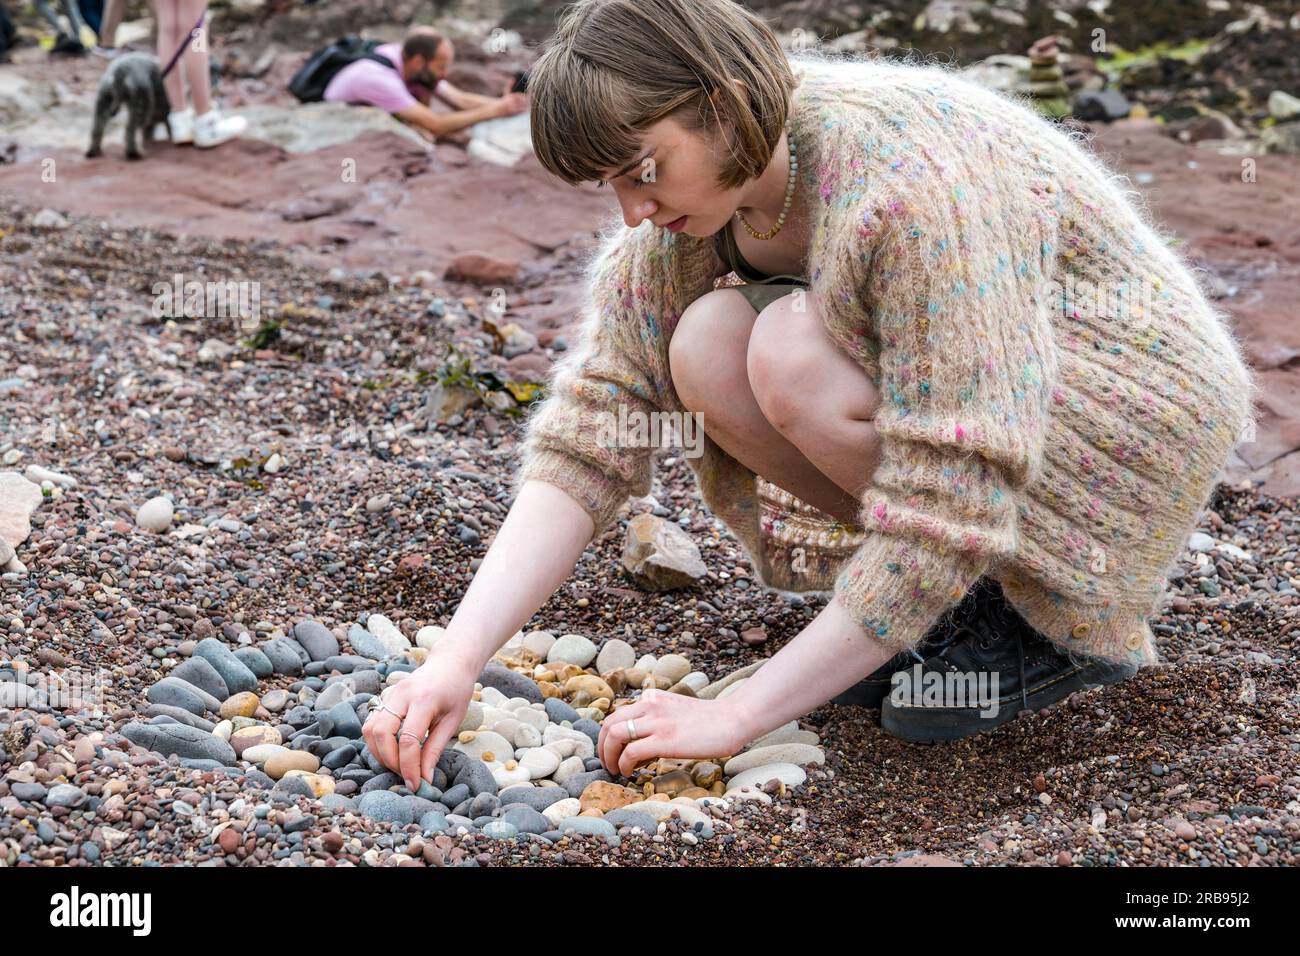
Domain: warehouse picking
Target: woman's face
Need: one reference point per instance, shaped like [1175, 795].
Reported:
[672, 179]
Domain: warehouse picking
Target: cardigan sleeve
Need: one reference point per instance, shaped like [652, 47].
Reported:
[954, 296]
[639, 280]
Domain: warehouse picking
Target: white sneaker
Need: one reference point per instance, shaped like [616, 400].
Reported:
[182, 124]
[213, 129]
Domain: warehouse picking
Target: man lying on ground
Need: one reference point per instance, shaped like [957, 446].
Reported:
[420, 67]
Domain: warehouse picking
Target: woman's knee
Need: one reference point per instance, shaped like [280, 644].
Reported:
[708, 347]
[798, 375]
[781, 361]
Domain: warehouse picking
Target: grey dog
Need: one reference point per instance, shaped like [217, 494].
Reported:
[133, 79]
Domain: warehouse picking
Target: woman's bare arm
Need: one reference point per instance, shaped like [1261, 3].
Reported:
[533, 553]
[827, 657]
[535, 549]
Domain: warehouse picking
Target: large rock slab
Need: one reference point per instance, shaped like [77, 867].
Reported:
[180, 739]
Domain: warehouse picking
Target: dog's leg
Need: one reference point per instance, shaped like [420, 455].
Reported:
[105, 107]
[147, 110]
[136, 116]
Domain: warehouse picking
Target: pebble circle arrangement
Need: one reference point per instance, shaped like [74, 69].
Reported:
[523, 764]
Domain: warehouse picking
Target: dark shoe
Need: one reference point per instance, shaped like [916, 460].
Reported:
[873, 688]
[1032, 673]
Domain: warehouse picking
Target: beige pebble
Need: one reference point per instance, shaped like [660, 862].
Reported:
[244, 704]
[277, 765]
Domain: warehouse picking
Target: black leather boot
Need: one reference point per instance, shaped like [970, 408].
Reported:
[873, 688]
[953, 694]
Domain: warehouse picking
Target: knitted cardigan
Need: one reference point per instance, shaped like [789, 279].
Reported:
[1061, 441]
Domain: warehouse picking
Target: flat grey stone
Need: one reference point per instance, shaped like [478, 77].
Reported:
[538, 798]
[385, 806]
[233, 671]
[316, 639]
[179, 739]
[175, 692]
[510, 683]
[283, 656]
[180, 716]
[197, 671]
[525, 819]
[255, 661]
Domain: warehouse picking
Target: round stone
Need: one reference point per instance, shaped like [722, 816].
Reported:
[501, 830]
[672, 668]
[385, 807]
[244, 704]
[539, 762]
[615, 654]
[788, 773]
[572, 649]
[562, 810]
[797, 754]
[279, 764]
[155, 515]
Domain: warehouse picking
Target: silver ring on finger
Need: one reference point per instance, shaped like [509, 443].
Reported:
[631, 730]
[406, 733]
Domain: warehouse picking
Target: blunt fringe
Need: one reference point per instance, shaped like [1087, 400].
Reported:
[616, 67]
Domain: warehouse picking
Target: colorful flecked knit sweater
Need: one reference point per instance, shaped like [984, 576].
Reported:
[1057, 395]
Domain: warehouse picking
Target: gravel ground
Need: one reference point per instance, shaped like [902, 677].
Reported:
[1193, 762]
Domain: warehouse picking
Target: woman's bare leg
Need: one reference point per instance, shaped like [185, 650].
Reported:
[169, 37]
[194, 61]
[108, 25]
[816, 455]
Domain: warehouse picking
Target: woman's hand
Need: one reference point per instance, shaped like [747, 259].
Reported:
[669, 725]
[426, 708]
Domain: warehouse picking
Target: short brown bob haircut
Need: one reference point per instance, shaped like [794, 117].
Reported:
[616, 67]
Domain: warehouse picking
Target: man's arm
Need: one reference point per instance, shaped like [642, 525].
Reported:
[461, 99]
[440, 124]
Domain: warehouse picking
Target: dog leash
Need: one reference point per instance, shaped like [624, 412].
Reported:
[189, 36]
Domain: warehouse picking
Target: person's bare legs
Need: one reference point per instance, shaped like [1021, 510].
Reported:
[108, 25]
[779, 396]
[194, 61]
[169, 37]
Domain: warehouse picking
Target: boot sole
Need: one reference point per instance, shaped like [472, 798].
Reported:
[928, 725]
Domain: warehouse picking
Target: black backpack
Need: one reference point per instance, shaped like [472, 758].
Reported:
[309, 83]
[7, 33]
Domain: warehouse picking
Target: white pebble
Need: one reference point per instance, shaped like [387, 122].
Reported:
[155, 515]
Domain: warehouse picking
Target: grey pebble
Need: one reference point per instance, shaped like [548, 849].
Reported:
[538, 798]
[500, 830]
[179, 739]
[255, 661]
[558, 711]
[526, 819]
[179, 716]
[284, 659]
[385, 806]
[233, 671]
[381, 781]
[510, 683]
[366, 644]
[175, 692]
[316, 639]
[197, 671]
